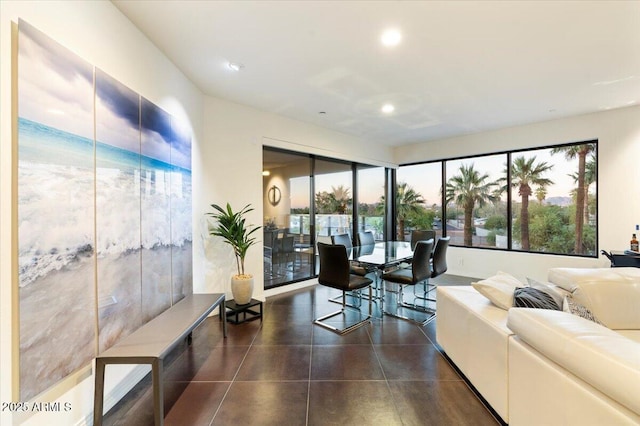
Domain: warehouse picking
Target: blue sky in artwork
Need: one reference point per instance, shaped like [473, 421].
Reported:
[117, 113]
[55, 86]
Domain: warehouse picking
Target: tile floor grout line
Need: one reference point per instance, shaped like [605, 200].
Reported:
[386, 381]
[309, 381]
[224, 397]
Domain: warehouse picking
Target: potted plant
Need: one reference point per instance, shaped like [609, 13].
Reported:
[231, 226]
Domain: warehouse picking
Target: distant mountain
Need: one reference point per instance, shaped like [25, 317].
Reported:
[559, 201]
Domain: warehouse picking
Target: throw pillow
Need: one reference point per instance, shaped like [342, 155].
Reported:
[555, 293]
[529, 297]
[576, 308]
[498, 289]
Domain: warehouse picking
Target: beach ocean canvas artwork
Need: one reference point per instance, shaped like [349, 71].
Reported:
[104, 211]
[118, 246]
[181, 218]
[55, 212]
[156, 210]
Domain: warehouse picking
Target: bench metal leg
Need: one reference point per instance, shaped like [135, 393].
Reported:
[98, 393]
[222, 310]
[158, 401]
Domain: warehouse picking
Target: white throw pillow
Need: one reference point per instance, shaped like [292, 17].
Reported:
[499, 289]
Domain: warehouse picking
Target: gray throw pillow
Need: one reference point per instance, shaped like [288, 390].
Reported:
[548, 288]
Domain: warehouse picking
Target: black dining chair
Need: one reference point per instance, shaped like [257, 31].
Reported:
[345, 240]
[420, 271]
[438, 267]
[365, 238]
[421, 235]
[335, 273]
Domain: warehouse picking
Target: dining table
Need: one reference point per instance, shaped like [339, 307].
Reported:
[379, 257]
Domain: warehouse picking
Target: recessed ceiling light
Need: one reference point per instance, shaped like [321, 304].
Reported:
[235, 66]
[388, 108]
[266, 173]
[391, 37]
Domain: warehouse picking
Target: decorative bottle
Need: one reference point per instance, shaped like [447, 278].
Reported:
[634, 243]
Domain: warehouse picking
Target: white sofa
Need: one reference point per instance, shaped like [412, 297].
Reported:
[547, 367]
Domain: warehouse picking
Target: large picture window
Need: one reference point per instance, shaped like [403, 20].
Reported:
[476, 208]
[418, 199]
[540, 200]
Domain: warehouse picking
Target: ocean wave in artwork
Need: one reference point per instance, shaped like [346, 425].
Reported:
[60, 187]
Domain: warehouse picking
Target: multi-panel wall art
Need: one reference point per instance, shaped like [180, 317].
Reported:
[104, 210]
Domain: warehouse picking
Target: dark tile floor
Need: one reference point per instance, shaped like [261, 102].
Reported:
[287, 371]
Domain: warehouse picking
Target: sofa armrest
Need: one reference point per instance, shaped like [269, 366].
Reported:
[601, 357]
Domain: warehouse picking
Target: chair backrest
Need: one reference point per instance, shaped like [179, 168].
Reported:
[288, 244]
[420, 267]
[342, 239]
[439, 265]
[365, 238]
[334, 266]
[421, 235]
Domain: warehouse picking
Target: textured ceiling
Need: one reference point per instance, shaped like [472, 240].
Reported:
[461, 67]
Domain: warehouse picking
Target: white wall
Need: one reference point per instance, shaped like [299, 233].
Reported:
[99, 33]
[618, 133]
[229, 169]
[227, 164]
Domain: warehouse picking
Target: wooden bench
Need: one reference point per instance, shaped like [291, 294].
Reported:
[152, 342]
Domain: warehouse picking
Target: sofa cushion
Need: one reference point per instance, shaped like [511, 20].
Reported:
[612, 294]
[529, 297]
[606, 360]
[498, 289]
[473, 332]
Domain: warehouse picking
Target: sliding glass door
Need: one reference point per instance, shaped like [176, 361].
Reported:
[287, 232]
[309, 199]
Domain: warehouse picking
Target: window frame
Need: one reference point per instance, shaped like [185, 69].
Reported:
[510, 154]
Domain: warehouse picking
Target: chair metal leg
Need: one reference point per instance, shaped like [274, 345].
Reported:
[426, 289]
[338, 298]
[402, 304]
[350, 328]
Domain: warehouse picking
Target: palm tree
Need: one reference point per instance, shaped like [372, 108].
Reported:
[408, 201]
[589, 178]
[581, 152]
[525, 173]
[468, 189]
[541, 193]
[336, 201]
[342, 197]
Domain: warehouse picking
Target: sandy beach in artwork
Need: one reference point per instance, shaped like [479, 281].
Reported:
[52, 315]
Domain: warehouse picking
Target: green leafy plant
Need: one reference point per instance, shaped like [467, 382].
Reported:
[232, 227]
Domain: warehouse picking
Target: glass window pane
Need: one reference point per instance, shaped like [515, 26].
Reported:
[553, 193]
[333, 197]
[476, 205]
[371, 200]
[418, 199]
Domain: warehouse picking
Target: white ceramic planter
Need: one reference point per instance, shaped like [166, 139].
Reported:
[242, 288]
